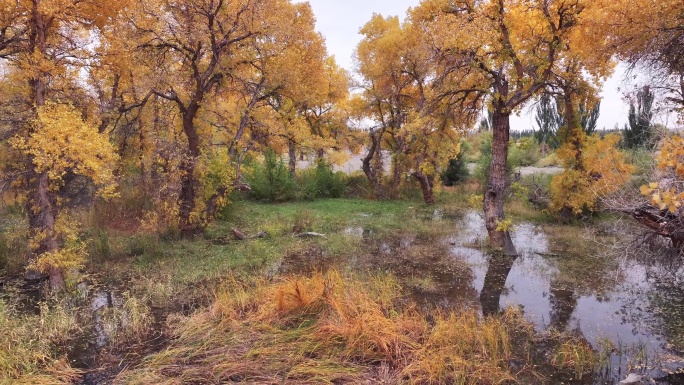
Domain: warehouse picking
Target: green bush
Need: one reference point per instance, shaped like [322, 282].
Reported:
[457, 170]
[358, 186]
[321, 181]
[271, 180]
[524, 152]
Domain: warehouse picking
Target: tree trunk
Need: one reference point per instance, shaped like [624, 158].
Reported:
[190, 184]
[292, 154]
[370, 169]
[396, 179]
[41, 204]
[426, 185]
[496, 185]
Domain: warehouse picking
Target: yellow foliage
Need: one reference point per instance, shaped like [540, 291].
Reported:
[593, 171]
[475, 201]
[666, 195]
[505, 225]
[61, 141]
[70, 256]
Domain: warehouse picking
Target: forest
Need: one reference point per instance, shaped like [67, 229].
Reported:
[196, 192]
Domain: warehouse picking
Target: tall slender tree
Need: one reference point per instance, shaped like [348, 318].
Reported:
[639, 132]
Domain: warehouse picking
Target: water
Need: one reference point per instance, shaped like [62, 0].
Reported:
[632, 307]
[636, 307]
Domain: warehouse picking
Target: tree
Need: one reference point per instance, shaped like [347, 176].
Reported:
[503, 50]
[42, 41]
[228, 65]
[639, 132]
[419, 132]
[593, 169]
[650, 34]
[589, 115]
[664, 212]
[548, 121]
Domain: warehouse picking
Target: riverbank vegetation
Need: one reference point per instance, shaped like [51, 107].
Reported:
[142, 211]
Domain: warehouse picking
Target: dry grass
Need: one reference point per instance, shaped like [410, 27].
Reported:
[326, 328]
[27, 345]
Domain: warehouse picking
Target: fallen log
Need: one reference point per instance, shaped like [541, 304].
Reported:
[310, 235]
[238, 234]
[242, 236]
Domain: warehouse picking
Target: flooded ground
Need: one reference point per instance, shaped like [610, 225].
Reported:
[629, 308]
[630, 311]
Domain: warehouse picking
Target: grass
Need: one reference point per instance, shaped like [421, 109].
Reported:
[329, 328]
[346, 320]
[176, 266]
[576, 357]
[28, 346]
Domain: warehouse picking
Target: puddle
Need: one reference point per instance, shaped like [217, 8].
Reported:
[104, 316]
[625, 306]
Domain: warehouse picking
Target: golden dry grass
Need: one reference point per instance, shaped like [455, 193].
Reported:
[326, 328]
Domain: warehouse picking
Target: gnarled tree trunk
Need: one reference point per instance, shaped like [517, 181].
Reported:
[190, 184]
[496, 184]
[426, 185]
[370, 165]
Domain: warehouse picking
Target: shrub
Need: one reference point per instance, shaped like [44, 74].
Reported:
[358, 186]
[271, 180]
[603, 171]
[321, 181]
[457, 170]
[523, 152]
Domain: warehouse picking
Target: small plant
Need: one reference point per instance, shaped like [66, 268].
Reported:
[505, 225]
[475, 201]
[303, 221]
[129, 322]
[575, 356]
[271, 180]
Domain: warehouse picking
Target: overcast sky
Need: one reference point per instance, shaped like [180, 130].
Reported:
[340, 21]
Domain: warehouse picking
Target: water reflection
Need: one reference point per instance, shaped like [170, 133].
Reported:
[495, 282]
[563, 302]
[603, 298]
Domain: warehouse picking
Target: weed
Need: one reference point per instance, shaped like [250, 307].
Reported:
[321, 182]
[303, 221]
[129, 322]
[271, 180]
[576, 356]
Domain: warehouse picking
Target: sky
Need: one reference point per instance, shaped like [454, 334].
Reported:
[340, 21]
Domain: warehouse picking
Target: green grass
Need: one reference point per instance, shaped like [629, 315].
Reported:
[168, 271]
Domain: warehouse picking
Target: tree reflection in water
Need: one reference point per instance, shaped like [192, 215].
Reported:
[494, 282]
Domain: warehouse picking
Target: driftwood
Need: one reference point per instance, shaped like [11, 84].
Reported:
[242, 236]
[662, 223]
[310, 235]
